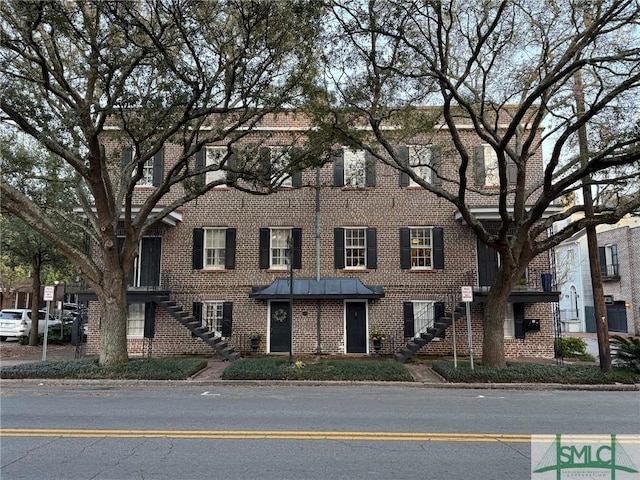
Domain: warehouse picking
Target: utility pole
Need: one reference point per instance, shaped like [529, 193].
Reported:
[602, 328]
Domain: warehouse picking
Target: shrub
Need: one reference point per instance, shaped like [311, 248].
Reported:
[572, 347]
[53, 335]
[626, 351]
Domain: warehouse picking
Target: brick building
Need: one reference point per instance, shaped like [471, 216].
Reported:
[368, 248]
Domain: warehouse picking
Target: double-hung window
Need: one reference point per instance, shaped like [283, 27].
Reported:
[215, 156]
[151, 170]
[421, 251]
[214, 247]
[135, 320]
[423, 313]
[279, 248]
[487, 170]
[420, 161]
[354, 168]
[212, 316]
[355, 248]
[609, 261]
[280, 160]
[421, 248]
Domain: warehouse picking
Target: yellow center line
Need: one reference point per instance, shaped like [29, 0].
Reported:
[290, 435]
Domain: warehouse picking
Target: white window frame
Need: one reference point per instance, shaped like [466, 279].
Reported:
[212, 312]
[280, 160]
[423, 315]
[279, 243]
[355, 168]
[213, 156]
[420, 157]
[491, 171]
[355, 248]
[214, 251]
[509, 327]
[135, 320]
[417, 248]
[146, 180]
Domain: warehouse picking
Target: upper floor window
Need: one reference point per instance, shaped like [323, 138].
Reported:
[151, 169]
[421, 248]
[215, 156]
[276, 246]
[355, 247]
[354, 168]
[609, 261]
[214, 248]
[487, 170]
[276, 167]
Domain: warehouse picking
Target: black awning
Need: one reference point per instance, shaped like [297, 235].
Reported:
[325, 288]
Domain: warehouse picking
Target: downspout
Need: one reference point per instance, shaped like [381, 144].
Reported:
[318, 329]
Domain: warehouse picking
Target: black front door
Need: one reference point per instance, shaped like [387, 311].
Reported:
[280, 327]
[356, 313]
[487, 264]
[617, 317]
[146, 266]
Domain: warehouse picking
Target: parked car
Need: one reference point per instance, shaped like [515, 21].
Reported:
[16, 322]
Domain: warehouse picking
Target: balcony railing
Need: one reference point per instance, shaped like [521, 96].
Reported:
[610, 271]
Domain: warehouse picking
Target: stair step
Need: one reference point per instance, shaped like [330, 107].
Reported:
[234, 356]
[414, 346]
[440, 325]
[399, 357]
[426, 336]
[445, 320]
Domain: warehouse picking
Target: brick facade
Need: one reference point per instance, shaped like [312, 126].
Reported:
[387, 207]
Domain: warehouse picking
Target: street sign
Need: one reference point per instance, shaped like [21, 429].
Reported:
[467, 294]
[48, 294]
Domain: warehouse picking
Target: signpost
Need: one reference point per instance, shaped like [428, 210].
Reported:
[48, 297]
[467, 297]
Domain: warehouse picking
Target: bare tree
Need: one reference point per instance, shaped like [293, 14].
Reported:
[77, 75]
[418, 72]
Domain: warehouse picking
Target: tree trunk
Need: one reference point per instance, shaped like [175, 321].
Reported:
[113, 314]
[35, 300]
[493, 320]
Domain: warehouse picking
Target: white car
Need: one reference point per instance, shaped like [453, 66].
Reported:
[16, 322]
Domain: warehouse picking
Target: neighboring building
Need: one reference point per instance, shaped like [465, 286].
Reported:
[385, 253]
[619, 253]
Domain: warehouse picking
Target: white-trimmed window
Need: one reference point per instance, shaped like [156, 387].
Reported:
[355, 171]
[420, 157]
[279, 248]
[491, 172]
[212, 316]
[509, 322]
[421, 248]
[214, 156]
[147, 174]
[135, 320]
[214, 247]
[423, 314]
[280, 160]
[355, 247]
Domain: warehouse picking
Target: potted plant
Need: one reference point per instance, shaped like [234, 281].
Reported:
[255, 341]
[378, 337]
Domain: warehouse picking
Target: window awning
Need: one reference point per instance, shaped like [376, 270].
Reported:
[172, 218]
[325, 288]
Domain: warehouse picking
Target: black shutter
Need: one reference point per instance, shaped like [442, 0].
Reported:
[198, 248]
[120, 244]
[438, 248]
[403, 153]
[265, 246]
[227, 319]
[338, 168]
[518, 320]
[200, 163]
[603, 260]
[438, 311]
[296, 178]
[512, 172]
[338, 247]
[436, 165]
[232, 164]
[296, 235]
[230, 249]
[372, 249]
[264, 166]
[197, 311]
[158, 163]
[370, 170]
[127, 156]
[405, 248]
[409, 326]
[478, 162]
[149, 319]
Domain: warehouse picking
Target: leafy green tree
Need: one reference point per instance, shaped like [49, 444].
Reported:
[143, 75]
[506, 70]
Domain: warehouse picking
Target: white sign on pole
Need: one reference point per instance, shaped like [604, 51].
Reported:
[467, 294]
[48, 294]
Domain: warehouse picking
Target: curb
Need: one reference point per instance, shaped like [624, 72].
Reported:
[312, 383]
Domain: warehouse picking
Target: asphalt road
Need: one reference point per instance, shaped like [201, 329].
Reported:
[326, 432]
